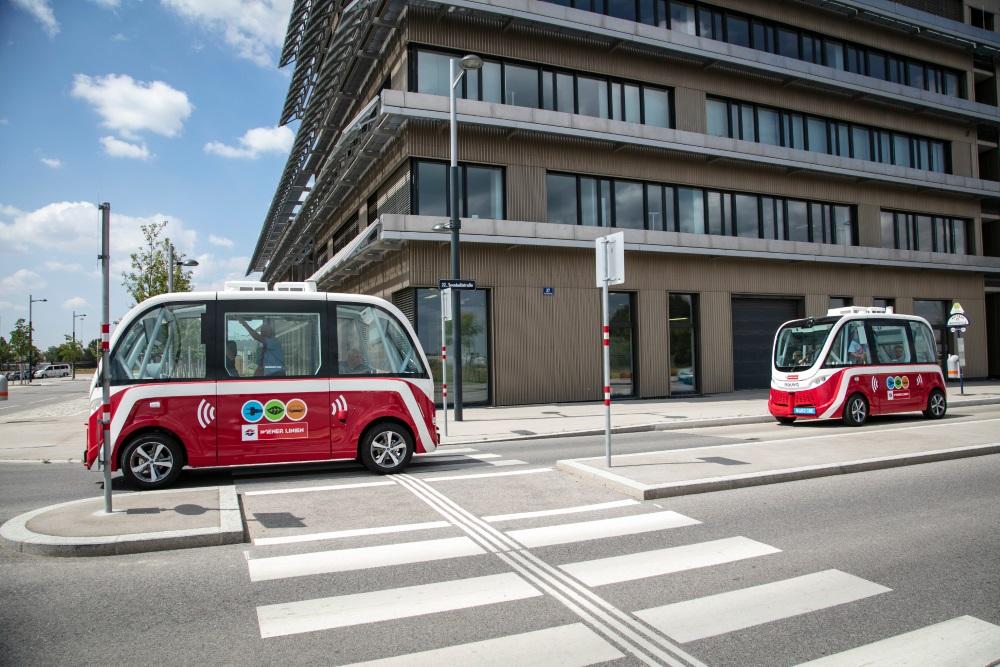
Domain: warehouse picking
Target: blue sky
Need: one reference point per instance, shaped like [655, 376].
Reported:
[167, 109]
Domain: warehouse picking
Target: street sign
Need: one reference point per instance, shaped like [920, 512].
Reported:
[548, 291]
[446, 304]
[610, 259]
[456, 284]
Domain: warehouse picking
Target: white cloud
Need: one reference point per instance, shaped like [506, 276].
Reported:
[21, 280]
[119, 148]
[212, 272]
[4, 121]
[220, 241]
[255, 142]
[75, 302]
[127, 106]
[254, 28]
[42, 11]
[52, 163]
[63, 267]
[107, 4]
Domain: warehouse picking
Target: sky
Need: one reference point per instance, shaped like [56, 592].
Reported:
[166, 109]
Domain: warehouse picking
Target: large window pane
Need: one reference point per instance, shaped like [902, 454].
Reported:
[592, 96]
[628, 205]
[861, 139]
[767, 217]
[794, 131]
[768, 128]
[888, 226]
[816, 128]
[843, 226]
[654, 207]
[798, 221]
[632, 105]
[164, 344]
[915, 73]
[484, 198]
[274, 344]
[925, 234]
[432, 73]
[432, 180]
[901, 151]
[691, 210]
[372, 342]
[788, 43]
[748, 131]
[520, 85]
[737, 30]
[548, 91]
[491, 74]
[622, 349]
[876, 65]
[622, 9]
[937, 162]
[960, 236]
[682, 17]
[718, 119]
[561, 198]
[746, 216]
[604, 202]
[475, 342]
[719, 212]
[588, 202]
[682, 326]
[656, 107]
[564, 93]
[834, 52]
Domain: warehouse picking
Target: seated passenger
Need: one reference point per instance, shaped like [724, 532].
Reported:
[856, 352]
[234, 365]
[354, 364]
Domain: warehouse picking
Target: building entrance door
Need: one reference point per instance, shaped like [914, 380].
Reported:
[755, 321]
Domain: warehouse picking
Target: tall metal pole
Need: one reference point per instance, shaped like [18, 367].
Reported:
[444, 366]
[73, 362]
[31, 346]
[456, 226]
[606, 347]
[105, 346]
[170, 266]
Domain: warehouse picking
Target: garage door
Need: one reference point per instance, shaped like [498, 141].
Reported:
[755, 321]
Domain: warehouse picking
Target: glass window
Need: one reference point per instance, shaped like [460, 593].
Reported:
[843, 225]
[915, 73]
[840, 302]
[656, 107]
[691, 211]
[707, 23]
[885, 147]
[923, 343]
[922, 154]
[854, 62]
[797, 345]
[561, 198]
[896, 70]
[901, 150]
[820, 223]
[850, 346]
[588, 202]
[748, 132]
[592, 96]
[718, 118]
[622, 352]
[767, 218]
[861, 140]
[616, 101]
[654, 207]
[882, 302]
[632, 106]
[811, 49]
[843, 139]
[768, 127]
[470, 85]
[941, 231]
[737, 30]
[273, 343]
[432, 73]
[475, 342]
[682, 325]
[960, 235]
[719, 212]
[548, 91]
[888, 225]
[484, 196]
[670, 222]
[432, 188]
[891, 343]
[491, 74]
[925, 234]
[817, 134]
[951, 85]
[682, 17]
[371, 342]
[798, 220]
[520, 85]
[628, 205]
[604, 201]
[876, 65]
[788, 43]
[834, 52]
[747, 223]
[763, 37]
[647, 12]
[937, 162]
[622, 9]
[794, 131]
[564, 93]
[163, 344]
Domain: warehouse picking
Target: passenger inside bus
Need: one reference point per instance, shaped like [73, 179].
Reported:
[234, 365]
[272, 356]
[354, 364]
[856, 353]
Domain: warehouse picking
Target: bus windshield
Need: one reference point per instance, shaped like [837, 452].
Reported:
[799, 343]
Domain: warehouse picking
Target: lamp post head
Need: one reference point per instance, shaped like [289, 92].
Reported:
[471, 62]
[187, 262]
[443, 227]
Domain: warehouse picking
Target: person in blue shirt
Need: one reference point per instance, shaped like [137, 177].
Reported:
[272, 356]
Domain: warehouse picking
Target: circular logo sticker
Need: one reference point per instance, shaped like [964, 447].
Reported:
[252, 411]
[274, 410]
[295, 409]
[899, 382]
[906, 382]
[890, 383]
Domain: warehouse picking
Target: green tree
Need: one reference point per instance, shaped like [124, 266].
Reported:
[93, 351]
[19, 341]
[71, 350]
[148, 276]
[52, 354]
[6, 352]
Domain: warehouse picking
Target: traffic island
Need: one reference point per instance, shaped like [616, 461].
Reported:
[140, 522]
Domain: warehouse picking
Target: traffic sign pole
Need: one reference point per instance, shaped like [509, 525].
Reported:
[606, 346]
[105, 350]
[445, 304]
[610, 260]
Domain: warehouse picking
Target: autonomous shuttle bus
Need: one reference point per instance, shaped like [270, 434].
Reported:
[249, 377]
[853, 363]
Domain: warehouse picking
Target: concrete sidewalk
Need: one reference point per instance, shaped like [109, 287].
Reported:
[569, 419]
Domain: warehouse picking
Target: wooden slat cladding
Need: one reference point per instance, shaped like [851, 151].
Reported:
[715, 333]
[544, 49]
[652, 343]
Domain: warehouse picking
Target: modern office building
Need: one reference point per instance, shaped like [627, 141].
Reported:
[765, 160]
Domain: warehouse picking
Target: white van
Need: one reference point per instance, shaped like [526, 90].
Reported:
[53, 371]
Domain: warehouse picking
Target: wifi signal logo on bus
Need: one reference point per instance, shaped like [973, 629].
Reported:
[206, 413]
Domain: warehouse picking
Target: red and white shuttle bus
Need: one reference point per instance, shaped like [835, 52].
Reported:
[853, 363]
[233, 378]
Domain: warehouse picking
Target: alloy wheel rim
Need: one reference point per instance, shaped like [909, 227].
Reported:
[388, 448]
[937, 404]
[151, 461]
[858, 409]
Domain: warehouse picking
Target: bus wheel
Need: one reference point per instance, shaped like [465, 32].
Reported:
[151, 461]
[937, 405]
[785, 420]
[386, 448]
[856, 410]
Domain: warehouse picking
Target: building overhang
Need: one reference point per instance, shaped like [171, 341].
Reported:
[392, 232]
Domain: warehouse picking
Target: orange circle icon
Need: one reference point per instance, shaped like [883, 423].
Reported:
[295, 409]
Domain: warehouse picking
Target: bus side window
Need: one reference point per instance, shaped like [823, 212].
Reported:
[272, 344]
[850, 347]
[891, 343]
[166, 343]
[372, 342]
[923, 343]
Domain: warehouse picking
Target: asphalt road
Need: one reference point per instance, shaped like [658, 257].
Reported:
[917, 546]
[41, 393]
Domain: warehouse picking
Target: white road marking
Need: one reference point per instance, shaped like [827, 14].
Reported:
[441, 452]
[665, 561]
[450, 478]
[482, 457]
[311, 489]
[357, 532]
[505, 463]
[747, 607]
[573, 645]
[344, 560]
[593, 530]
[291, 618]
[496, 518]
[962, 641]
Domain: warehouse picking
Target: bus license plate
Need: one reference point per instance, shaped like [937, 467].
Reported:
[805, 411]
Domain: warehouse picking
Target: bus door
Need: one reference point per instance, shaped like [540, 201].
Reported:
[273, 393]
[851, 350]
[900, 388]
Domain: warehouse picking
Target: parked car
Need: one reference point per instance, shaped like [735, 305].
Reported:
[53, 371]
[16, 375]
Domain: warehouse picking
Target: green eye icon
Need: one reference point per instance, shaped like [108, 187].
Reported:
[274, 410]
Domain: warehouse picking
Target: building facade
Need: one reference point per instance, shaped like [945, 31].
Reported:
[765, 161]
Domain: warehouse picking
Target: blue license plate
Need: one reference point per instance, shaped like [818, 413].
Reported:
[805, 411]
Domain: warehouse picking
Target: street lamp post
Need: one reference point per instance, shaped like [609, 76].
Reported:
[31, 345]
[75, 317]
[171, 263]
[469, 62]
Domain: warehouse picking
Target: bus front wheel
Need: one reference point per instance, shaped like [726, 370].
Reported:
[386, 448]
[151, 461]
[856, 410]
[785, 420]
[937, 405]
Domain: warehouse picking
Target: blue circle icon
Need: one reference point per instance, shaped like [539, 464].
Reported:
[890, 383]
[252, 411]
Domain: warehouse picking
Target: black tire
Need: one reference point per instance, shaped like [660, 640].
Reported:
[855, 410]
[386, 448]
[785, 420]
[151, 461]
[937, 405]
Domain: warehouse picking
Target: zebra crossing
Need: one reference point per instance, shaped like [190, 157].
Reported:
[590, 628]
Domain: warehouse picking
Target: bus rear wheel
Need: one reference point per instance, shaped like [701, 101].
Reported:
[151, 461]
[386, 448]
[937, 405]
[856, 410]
